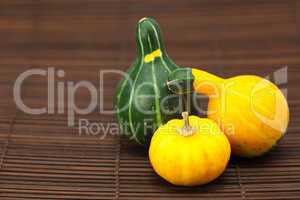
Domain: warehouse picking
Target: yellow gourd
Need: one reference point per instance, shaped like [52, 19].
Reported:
[188, 152]
[250, 110]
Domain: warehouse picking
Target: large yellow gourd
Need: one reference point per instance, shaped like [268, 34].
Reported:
[189, 152]
[250, 110]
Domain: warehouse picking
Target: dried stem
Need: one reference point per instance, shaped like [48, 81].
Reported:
[186, 130]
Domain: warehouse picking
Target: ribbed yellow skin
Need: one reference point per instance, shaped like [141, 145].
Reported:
[189, 160]
[250, 110]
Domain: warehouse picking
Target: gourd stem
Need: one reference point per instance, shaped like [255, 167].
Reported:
[185, 116]
[184, 102]
[186, 130]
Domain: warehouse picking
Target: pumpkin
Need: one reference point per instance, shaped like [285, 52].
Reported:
[250, 110]
[143, 101]
[189, 152]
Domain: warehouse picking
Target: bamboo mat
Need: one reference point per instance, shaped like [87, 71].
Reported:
[42, 158]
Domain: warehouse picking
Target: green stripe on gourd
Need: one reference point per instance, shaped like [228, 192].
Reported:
[143, 101]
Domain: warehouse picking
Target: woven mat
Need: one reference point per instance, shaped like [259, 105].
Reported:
[42, 158]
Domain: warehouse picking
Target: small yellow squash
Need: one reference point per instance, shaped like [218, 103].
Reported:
[188, 152]
[250, 110]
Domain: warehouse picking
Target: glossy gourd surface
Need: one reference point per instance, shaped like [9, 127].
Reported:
[250, 110]
[143, 101]
[189, 160]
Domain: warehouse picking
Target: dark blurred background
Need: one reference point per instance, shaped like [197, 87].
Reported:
[226, 37]
[41, 157]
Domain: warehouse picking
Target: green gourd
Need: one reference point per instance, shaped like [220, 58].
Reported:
[143, 101]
